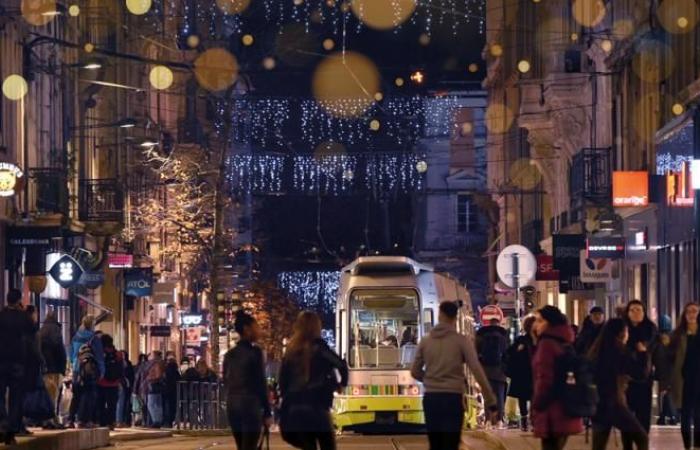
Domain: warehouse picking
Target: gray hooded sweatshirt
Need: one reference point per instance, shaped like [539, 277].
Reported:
[440, 361]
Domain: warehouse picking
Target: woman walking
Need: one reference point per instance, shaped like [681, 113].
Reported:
[614, 365]
[519, 369]
[643, 337]
[246, 388]
[685, 378]
[549, 421]
[307, 381]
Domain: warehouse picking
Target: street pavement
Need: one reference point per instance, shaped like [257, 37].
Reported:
[665, 438]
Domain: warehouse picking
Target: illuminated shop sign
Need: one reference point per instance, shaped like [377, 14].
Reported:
[66, 271]
[11, 178]
[612, 247]
[630, 189]
[679, 187]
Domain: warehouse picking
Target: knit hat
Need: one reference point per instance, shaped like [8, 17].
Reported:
[596, 309]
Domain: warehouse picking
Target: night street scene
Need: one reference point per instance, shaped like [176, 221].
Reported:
[349, 224]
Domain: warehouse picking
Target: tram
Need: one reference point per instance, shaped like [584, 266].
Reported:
[386, 304]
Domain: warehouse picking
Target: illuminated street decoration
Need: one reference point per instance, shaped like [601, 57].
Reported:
[312, 290]
[11, 178]
[66, 271]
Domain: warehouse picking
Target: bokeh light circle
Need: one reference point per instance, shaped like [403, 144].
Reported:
[473, 68]
[653, 61]
[328, 44]
[89, 47]
[399, 81]
[678, 16]
[499, 118]
[74, 10]
[496, 50]
[524, 66]
[524, 174]
[421, 166]
[589, 13]
[466, 129]
[379, 96]
[248, 40]
[623, 28]
[606, 45]
[233, 6]
[15, 87]
[677, 109]
[424, 39]
[38, 12]
[161, 77]
[343, 84]
[375, 125]
[216, 69]
[269, 63]
[138, 7]
[383, 14]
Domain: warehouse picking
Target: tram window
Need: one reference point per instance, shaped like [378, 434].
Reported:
[427, 321]
[382, 328]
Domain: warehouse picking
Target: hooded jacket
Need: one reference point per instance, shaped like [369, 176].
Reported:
[52, 348]
[440, 361]
[82, 337]
[16, 328]
[493, 334]
[645, 333]
[548, 417]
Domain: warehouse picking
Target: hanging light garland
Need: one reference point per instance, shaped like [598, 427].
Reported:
[315, 291]
[256, 173]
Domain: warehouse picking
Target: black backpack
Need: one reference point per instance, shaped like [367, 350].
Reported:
[114, 369]
[574, 382]
[492, 349]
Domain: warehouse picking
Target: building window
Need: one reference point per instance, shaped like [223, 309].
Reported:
[466, 217]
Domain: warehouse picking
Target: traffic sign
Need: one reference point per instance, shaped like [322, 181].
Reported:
[516, 266]
[490, 312]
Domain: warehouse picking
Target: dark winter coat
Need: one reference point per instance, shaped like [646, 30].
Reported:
[172, 376]
[548, 417]
[686, 367]
[647, 334]
[500, 336]
[519, 367]
[244, 379]
[16, 327]
[52, 348]
[318, 389]
[193, 375]
[587, 337]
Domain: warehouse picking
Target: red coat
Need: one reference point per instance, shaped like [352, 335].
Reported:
[548, 418]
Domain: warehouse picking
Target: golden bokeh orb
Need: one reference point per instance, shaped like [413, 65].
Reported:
[400, 81]
[139, 7]
[89, 47]
[678, 109]
[216, 69]
[606, 45]
[678, 16]
[499, 117]
[379, 96]
[524, 66]
[269, 63]
[374, 125]
[421, 166]
[248, 40]
[496, 50]
[466, 128]
[524, 174]
[233, 6]
[424, 39]
[342, 83]
[15, 87]
[193, 41]
[383, 14]
[653, 61]
[74, 10]
[589, 13]
[161, 77]
[473, 68]
[38, 12]
[328, 44]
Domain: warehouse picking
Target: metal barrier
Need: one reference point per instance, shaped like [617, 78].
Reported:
[200, 406]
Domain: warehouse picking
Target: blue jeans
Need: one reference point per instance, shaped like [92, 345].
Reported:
[155, 409]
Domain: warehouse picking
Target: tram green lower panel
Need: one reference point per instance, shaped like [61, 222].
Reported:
[357, 411]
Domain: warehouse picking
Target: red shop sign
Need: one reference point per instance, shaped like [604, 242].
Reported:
[545, 268]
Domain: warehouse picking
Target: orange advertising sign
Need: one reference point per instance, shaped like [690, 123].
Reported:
[630, 189]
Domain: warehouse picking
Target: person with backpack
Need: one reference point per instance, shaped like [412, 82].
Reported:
[555, 340]
[248, 408]
[519, 369]
[126, 389]
[172, 377]
[439, 364]
[108, 384]
[614, 366]
[685, 374]
[592, 325]
[492, 342]
[308, 378]
[85, 382]
[643, 341]
[15, 328]
[36, 410]
[55, 360]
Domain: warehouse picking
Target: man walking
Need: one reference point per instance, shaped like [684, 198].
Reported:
[492, 343]
[16, 328]
[55, 360]
[439, 365]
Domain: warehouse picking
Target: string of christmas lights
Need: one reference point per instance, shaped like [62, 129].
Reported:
[316, 291]
[675, 150]
[327, 174]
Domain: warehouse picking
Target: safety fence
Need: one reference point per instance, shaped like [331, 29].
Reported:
[200, 406]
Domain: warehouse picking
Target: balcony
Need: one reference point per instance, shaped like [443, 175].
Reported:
[101, 201]
[48, 191]
[591, 179]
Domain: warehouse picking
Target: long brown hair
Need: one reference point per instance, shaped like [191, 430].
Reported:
[682, 328]
[307, 329]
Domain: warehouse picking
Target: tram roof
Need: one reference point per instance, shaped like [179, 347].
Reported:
[385, 264]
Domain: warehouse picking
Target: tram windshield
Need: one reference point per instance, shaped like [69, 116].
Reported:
[384, 326]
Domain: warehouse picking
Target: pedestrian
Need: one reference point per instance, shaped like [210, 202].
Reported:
[519, 369]
[685, 378]
[492, 343]
[35, 411]
[439, 365]
[308, 378]
[549, 421]
[614, 364]
[153, 388]
[55, 359]
[663, 374]
[643, 338]
[15, 328]
[139, 398]
[590, 330]
[248, 408]
[125, 392]
[108, 384]
[172, 378]
[85, 346]
[200, 373]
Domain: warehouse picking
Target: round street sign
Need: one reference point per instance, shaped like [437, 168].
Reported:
[516, 257]
[490, 312]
